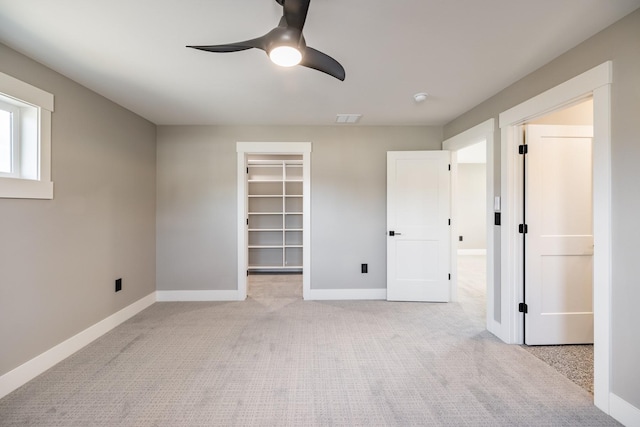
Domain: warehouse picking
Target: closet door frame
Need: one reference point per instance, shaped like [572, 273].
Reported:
[270, 148]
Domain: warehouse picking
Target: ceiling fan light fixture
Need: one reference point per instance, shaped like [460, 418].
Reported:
[285, 45]
[285, 56]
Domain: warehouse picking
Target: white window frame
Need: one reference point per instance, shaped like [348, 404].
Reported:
[14, 143]
[36, 106]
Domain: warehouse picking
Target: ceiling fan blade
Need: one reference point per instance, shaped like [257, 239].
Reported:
[295, 12]
[258, 43]
[322, 62]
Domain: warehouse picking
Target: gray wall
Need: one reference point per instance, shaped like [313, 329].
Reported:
[472, 205]
[196, 201]
[621, 44]
[59, 258]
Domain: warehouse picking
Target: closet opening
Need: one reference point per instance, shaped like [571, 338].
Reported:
[274, 201]
[273, 232]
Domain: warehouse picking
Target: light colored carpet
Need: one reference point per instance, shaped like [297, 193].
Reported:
[275, 360]
[573, 361]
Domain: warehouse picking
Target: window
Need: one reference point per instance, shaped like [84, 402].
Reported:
[25, 140]
[9, 140]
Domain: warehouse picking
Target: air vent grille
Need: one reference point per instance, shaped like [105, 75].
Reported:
[348, 118]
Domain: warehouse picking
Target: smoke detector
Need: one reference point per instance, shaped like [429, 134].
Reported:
[420, 97]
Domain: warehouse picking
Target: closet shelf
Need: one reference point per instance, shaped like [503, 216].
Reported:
[274, 180]
[272, 267]
[275, 195]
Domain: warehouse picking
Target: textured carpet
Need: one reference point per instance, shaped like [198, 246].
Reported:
[275, 360]
[573, 361]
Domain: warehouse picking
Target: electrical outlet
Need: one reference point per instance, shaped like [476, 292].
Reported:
[118, 285]
[364, 268]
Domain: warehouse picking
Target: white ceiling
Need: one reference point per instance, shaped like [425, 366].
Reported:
[459, 51]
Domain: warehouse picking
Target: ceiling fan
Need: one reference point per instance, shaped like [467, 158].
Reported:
[285, 44]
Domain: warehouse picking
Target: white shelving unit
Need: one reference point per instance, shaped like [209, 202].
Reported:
[275, 214]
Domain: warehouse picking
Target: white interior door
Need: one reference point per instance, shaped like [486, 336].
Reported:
[418, 241]
[559, 239]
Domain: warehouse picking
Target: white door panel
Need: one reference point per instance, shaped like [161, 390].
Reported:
[559, 242]
[418, 214]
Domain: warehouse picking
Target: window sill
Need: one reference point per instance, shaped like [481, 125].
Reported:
[16, 188]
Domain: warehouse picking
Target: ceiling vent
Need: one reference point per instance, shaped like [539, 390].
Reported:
[348, 118]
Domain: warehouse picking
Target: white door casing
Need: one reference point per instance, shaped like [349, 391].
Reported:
[595, 82]
[299, 148]
[418, 209]
[559, 239]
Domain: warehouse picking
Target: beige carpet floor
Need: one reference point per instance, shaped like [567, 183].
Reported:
[573, 361]
[276, 360]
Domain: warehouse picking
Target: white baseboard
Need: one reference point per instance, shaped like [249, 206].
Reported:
[472, 251]
[169, 296]
[34, 367]
[623, 411]
[495, 328]
[347, 294]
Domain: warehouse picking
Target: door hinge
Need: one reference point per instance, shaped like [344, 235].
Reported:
[449, 221]
[449, 276]
[523, 229]
[523, 149]
[523, 308]
[247, 221]
[449, 167]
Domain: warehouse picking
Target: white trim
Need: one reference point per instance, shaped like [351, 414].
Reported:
[472, 251]
[24, 92]
[273, 147]
[470, 136]
[597, 83]
[34, 367]
[16, 188]
[243, 239]
[602, 281]
[623, 411]
[211, 295]
[453, 229]
[496, 328]
[45, 148]
[347, 294]
[559, 96]
[484, 131]
[244, 148]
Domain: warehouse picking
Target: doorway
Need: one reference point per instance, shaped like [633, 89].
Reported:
[558, 216]
[274, 225]
[477, 136]
[558, 247]
[274, 193]
[471, 227]
[594, 83]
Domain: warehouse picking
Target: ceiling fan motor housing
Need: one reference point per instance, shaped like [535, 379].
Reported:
[281, 36]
